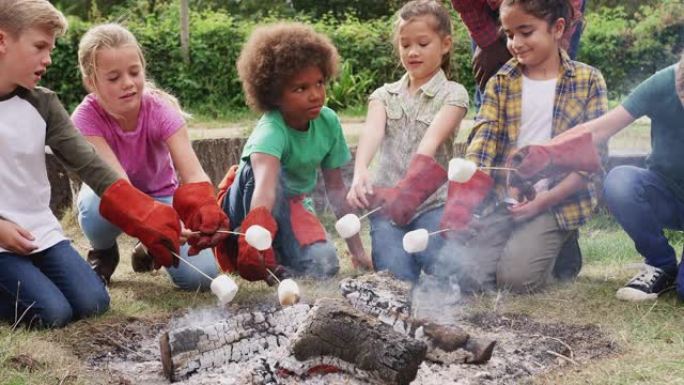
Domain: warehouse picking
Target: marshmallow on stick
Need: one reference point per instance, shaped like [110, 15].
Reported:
[258, 237]
[415, 241]
[461, 170]
[288, 292]
[348, 226]
[224, 288]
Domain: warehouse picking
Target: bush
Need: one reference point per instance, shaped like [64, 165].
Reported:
[625, 50]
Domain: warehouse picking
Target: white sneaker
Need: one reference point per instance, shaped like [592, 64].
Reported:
[648, 284]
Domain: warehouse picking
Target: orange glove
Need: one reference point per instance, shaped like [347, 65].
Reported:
[197, 207]
[423, 177]
[462, 199]
[252, 263]
[155, 224]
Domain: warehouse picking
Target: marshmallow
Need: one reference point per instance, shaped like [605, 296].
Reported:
[461, 170]
[348, 226]
[288, 292]
[258, 237]
[415, 241]
[224, 288]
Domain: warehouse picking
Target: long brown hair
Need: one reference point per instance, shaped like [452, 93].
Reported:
[442, 25]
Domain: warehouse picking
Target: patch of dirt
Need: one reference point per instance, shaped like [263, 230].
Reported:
[24, 362]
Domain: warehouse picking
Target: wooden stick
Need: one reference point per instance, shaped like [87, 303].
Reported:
[273, 275]
[499, 168]
[370, 212]
[197, 269]
[438, 231]
[218, 231]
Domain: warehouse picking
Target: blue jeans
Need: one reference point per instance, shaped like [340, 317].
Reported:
[644, 206]
[102, 235]
[387, 247]
[56, 286]
[317, 259]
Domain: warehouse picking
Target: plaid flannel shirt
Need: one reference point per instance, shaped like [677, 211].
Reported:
[481, 18]
[580, 96]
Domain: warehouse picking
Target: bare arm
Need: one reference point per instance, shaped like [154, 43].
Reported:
[266, 169]
[371, 137]
[335, 189]
[604, 127]
[184, 158]
[105, 153]
[445, 124]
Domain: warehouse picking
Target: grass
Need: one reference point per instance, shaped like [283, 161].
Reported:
[650, 335]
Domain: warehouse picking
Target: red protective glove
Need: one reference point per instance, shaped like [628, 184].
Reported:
[423, 177]
[252, 263]
[197, 207]
[569, 153]
[155, 224]
[462, 199]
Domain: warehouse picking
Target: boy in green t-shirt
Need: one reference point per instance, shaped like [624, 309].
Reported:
[284, 68]
[644, 201]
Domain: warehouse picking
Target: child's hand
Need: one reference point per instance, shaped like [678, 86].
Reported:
[530, 209]
[15, 238]
[360, 186]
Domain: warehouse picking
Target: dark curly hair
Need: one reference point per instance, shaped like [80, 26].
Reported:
[549, 10]
[274, 54]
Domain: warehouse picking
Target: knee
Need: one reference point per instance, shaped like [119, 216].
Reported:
[620, 186]
[190, 281]
[97, 302]
[325, 262]
[519, 280]
[53, 314]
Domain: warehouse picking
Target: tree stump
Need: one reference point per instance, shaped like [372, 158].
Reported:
[334, 328]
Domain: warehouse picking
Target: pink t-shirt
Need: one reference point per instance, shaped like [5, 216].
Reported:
[143, 153]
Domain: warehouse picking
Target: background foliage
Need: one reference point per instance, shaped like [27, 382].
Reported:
[626, 45]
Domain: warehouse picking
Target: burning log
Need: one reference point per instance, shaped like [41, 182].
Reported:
[238, 339]
[335, 329]
[385, 297]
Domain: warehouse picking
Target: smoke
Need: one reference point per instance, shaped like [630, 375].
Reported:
[200, 317]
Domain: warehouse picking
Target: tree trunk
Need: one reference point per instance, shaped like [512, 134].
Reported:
[185, 30]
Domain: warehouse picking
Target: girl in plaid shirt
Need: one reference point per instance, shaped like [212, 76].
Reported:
[536, 95]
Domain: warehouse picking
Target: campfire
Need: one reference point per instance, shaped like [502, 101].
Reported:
[372, 333]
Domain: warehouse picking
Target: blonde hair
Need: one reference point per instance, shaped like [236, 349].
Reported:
[112, 35]
[16, 16]
[442, 25]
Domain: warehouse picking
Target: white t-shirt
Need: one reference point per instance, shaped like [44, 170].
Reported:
[536, 118]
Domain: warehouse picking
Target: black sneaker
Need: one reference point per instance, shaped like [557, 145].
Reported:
[647, 285]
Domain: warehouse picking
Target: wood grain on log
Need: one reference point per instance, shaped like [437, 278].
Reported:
[334, 328]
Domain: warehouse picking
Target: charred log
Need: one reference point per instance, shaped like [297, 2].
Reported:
[184, 351]
[335, 329]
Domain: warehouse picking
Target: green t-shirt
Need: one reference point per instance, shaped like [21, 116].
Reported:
[301, 153]
[657, 98]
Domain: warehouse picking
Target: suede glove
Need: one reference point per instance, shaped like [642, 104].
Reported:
[197, 207]
[462, 199]
[568, 153]
[487, 61]
[155, 224]
[423, 177]
[252, 263]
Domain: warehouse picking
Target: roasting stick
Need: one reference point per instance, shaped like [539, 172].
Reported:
[439, 231]
[273, 275]
[218, 231]
[499, 168]
[370, 212]
[197, 269]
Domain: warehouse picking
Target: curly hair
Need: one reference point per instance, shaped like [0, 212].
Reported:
[274, 54]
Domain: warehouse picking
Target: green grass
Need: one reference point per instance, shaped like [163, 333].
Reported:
[650, 336]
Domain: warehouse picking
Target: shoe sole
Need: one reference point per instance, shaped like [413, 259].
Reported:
[634, 295]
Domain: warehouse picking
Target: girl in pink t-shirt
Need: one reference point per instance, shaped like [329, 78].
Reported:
[140, 131]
